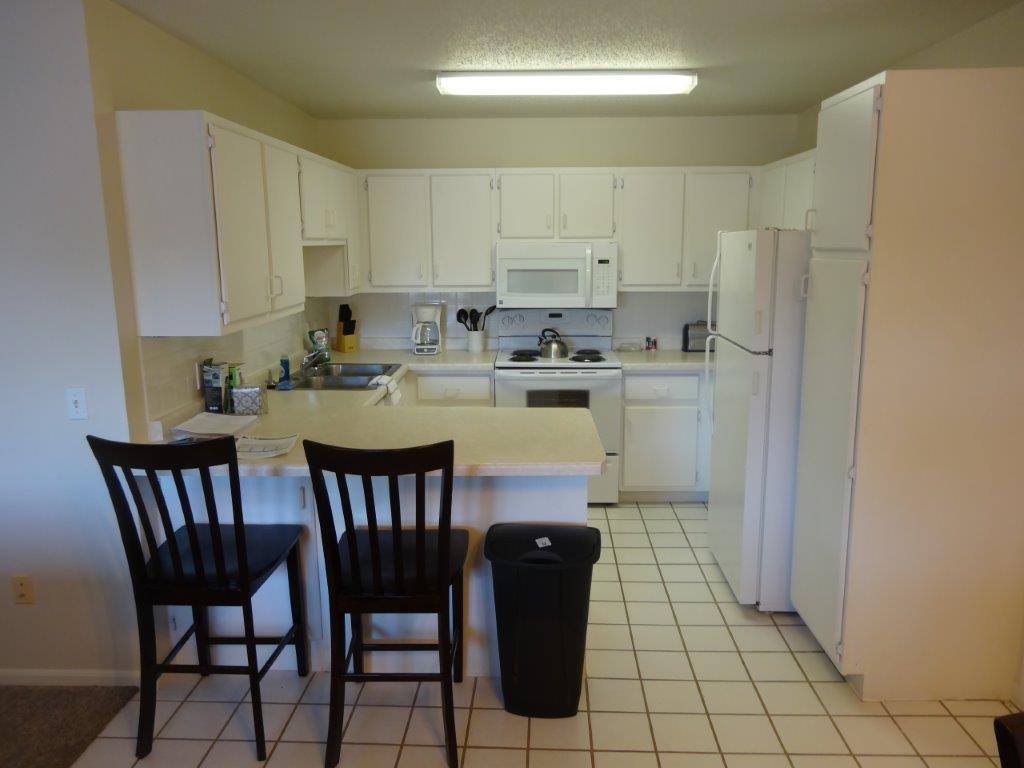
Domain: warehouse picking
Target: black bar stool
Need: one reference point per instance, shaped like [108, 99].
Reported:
[199, 564]
[390, 569]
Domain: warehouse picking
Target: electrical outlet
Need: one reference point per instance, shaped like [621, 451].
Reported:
[24, 591]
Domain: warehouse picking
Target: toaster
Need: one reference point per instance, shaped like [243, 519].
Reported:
[695, 336]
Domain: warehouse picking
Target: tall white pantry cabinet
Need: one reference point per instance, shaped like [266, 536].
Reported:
[908, 537]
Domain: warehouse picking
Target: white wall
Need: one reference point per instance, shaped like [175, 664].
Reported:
[57, 329]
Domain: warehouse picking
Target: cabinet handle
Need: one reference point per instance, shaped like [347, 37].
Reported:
[693, 269]
[565, 221]
[547, 221]
[660, 391]
[452, 392]
[419, 271]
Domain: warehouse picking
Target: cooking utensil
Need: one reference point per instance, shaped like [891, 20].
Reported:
[551, 344]
[474, 319]
[487, 312]
[462, 316]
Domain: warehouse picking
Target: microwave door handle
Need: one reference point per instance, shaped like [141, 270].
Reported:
[588, 295]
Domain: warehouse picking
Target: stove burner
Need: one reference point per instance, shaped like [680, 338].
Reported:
[588, 352]
[524, 355]
[588, 356]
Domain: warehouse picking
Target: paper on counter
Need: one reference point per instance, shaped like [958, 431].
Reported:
[204, 423]
[264, 447]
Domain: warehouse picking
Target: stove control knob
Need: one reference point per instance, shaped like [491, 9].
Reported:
[603, 320]
[591, 319]
[520, 319]
[506, 321]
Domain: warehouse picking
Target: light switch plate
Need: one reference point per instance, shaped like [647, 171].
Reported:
[74, 398]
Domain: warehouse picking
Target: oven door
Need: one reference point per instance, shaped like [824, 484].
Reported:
[535, 281]
[599, 390]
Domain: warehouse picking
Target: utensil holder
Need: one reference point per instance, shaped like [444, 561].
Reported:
[475, 341]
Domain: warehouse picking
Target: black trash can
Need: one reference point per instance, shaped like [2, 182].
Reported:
[541, 597]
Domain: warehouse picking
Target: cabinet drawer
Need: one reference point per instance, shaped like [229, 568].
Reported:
[454, 387]
[662, 387]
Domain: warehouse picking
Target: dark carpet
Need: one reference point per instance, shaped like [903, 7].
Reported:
[50, 726]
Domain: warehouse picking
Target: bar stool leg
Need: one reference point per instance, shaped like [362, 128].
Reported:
[201, 619]
[336, 712]
[444, 651]
[298, 602]
[254, 681]
[457, 620]
[147, 684]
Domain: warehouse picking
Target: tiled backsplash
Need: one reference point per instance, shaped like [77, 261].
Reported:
[168, 363]
[384, 319]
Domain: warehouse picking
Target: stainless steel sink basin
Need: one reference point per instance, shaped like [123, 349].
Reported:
[344, 375]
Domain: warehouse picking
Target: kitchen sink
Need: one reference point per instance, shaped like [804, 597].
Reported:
[344, 375]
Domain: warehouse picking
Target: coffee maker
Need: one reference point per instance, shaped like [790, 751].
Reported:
[426, 328]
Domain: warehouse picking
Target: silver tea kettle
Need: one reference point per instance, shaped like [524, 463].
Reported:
[551, 344]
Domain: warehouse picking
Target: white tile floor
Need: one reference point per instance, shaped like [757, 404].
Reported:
[679, 676]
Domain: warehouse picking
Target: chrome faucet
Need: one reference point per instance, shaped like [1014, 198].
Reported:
[314, 358]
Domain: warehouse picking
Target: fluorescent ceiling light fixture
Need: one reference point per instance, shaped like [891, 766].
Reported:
[649, 82]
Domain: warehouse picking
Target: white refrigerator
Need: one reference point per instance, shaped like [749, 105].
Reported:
[754, 409]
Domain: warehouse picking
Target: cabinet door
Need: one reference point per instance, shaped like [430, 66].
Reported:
[462, 230]
[314, 197]
[585, 204]
[399, 218]
[714, 202]
[340, 197]
[238, 193]
[772, 197]
[651, 229]
[527, 204]
[284, 227]
[355, 250]
[799, 194]
[845, 175]
[661, 446]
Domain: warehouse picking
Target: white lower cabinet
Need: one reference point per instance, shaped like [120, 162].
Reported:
[663, 445]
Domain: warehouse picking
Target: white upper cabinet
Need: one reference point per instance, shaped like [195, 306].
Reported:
[287, 273]
[650, 229]
[399, 230]
[354, 218]
[714, 202]
[586, 205]
[771, 197]
[328, 198]
[238, 192]
[527, 204]
[845, 175]
[315, 204]
[462, 230]
[798, 196]
[785, 192]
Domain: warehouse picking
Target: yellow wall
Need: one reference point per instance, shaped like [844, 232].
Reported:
[935, 603]
[136, 65]
[476, 142]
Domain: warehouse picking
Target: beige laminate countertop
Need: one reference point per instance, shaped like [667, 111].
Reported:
[488, 441]
[663, 361]
[449, 361]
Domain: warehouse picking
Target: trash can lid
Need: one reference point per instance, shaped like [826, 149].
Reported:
[543, 544]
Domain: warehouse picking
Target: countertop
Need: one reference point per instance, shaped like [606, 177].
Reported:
[449, 361]
[663, 361]
[488, 441]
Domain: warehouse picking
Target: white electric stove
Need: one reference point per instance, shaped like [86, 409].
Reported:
[589, 377]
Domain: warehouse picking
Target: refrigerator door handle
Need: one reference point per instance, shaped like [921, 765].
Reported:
[707, 381]
[711, 277]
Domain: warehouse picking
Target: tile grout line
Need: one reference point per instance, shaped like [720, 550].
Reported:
[679, 631]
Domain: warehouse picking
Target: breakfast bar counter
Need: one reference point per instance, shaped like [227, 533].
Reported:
[511, 465]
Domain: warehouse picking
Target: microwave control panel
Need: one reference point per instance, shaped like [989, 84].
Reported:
[604, 292]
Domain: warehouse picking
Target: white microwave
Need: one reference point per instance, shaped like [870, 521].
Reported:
[559, 275]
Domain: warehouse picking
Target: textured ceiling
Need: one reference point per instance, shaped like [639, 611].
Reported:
[377, 58]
